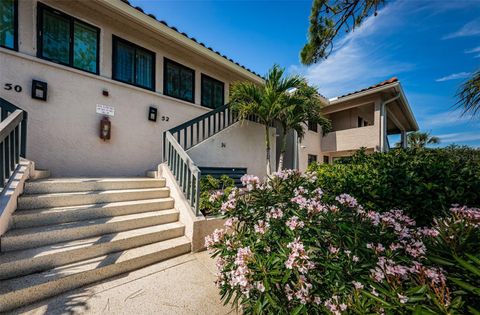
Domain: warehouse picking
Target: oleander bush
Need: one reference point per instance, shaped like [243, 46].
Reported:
[212, 193]
[422, 182]
[287, 248]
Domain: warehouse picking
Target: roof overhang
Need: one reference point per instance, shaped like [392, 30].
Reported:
[394, 88]
[157, 27]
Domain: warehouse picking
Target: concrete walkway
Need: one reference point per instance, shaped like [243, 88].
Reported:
[182, 285]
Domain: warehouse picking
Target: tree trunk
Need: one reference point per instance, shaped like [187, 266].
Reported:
[267, 142]
[283, 149]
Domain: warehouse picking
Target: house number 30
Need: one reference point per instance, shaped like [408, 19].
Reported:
[10, 86]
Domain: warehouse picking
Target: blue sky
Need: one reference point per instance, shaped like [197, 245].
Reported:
[431, 46]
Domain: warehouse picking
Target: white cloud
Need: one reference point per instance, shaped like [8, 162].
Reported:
[360, 58]
[473, 50]
[454, 76]
[448, 118]
[472, 28]
[459, 137]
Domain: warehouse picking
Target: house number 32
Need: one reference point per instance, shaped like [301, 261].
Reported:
[165, 118]
[10, 86]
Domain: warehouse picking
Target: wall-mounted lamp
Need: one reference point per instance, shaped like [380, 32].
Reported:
[105, 128]
[39, 90]
[152, 113]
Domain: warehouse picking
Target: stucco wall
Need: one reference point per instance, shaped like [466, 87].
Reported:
[310, 144]
[63, 133]
[240, 145]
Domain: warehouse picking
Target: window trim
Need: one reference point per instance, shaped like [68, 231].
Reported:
[40, 9]
[203, 77]
[165, 62]
[116, 39]
[312, 129]
[15, 28]
[315, 159]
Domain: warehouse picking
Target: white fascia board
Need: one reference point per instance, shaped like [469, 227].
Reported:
[156, 26]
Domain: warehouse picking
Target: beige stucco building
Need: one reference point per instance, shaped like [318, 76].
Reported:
[95, 93]
[361, 119]
[92, 64]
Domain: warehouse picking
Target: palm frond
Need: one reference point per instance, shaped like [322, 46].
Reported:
[469, 95]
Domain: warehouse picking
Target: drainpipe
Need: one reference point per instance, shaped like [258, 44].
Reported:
[295, 150]
[383, 122]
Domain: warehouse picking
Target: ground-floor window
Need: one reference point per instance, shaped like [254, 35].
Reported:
[312, 159]
[8, 23]
[326, 159]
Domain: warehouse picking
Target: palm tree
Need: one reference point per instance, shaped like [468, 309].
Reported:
[418, 139]
[264, 101]
[301, 106]
[469, 95]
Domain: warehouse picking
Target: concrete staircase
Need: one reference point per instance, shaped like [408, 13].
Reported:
[67, 233]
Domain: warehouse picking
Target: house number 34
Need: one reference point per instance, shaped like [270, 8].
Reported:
[10, 86]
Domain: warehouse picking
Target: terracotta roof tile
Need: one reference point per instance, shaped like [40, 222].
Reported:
[191, 38]
[391, 80]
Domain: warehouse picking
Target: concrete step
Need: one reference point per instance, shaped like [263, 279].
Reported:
[17, 239]
[28, 289]
[56, 185]
[48, 216]
[23, 262]
[37, 201]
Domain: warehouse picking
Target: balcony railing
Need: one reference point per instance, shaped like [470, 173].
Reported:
[351, 139]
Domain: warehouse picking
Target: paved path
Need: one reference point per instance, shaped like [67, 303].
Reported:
[182, 285]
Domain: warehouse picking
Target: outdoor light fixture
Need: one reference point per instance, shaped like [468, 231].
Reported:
[152, 113]
[105, 128]
[39, 90]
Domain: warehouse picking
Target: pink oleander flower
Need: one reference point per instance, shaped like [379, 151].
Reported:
[333, 249]
[403, 299]
[259, 286]
[215, 196]
[261, 227]
[347, 200]
[230, 222]
[215, 238]
[294, 223]
[276, 213]
[250, 181]
[355, 258]
[428, 232]
[298, 257]
[357, 285]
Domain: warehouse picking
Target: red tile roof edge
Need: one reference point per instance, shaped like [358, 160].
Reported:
[389, 81]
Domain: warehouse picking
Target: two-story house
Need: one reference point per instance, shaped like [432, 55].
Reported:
[98, 92]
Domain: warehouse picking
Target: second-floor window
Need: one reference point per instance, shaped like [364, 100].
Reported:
[213, 92]
[8, 23]
[313, 126]
[67, 40]
[179, 81]
[133, 64]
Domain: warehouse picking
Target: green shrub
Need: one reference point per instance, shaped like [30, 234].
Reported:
[285, 249]
[212, 193]
[424, 183]
[457, 250]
